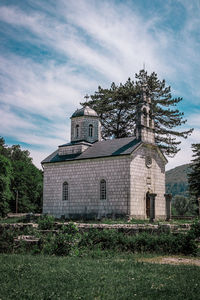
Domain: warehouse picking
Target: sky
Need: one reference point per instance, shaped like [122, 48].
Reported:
[53, 53]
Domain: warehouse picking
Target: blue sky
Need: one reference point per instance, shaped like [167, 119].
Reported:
[53, 53]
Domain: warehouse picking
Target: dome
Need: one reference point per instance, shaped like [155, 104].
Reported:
[84, 111]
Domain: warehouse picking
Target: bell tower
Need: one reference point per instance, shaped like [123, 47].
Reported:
[145, 121]
[85, 126]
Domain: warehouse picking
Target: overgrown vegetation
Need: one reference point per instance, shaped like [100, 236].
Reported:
[20, 181]
[68, 240]
[46, 222]
[99, 264]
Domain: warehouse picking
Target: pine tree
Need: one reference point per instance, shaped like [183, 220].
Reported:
[117, 108]
[194, 175]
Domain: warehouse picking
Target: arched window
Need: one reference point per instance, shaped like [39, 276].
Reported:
[77, 131]
[65, 195]
[103, 189]
[91, 130]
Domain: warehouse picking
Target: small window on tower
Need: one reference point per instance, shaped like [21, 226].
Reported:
[150, 120]
[145, 116]
[91, 130]
[77, 131]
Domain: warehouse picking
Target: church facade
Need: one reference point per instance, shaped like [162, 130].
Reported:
[94, 177]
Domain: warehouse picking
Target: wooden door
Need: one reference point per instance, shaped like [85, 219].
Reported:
[147, 205]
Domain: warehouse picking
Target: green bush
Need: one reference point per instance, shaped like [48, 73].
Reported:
[195, 229]
[70, 228]
[104, 239]
[64, 242]
[46, 222]
[69, 241]
[6, 240]
[143, 242]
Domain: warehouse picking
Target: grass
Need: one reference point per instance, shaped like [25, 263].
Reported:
[137, 221]
[116, 221]
[12, 220]
[112, 277]
[103, 221]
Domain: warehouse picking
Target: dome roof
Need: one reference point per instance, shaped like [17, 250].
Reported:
[84, 111]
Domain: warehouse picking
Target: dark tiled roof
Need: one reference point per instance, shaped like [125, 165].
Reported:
[106, 148]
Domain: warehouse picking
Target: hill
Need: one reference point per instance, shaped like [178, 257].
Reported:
[177, 181]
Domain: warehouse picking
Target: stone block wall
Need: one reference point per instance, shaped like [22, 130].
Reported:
[65, 150]
[145, 179]
[84, 123]
[83, 178]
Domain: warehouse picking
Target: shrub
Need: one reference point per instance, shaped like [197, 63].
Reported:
[68, 241]
[70, 228]
[142, 242]
[6, 240]
[46, 222]
[195, 229]
[104, 239]
[63, 243]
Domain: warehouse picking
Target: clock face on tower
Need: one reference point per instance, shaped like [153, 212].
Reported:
[148, 161]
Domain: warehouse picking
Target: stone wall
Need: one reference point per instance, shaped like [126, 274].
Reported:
[84, 123]
[83, 178]
[72, 149]
[147, 179]
[128, 179]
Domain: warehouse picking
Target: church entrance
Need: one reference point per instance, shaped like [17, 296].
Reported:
[147, 205]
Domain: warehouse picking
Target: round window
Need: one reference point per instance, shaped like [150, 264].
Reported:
[148, 161]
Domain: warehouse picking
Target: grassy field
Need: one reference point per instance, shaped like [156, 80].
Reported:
[113, 277]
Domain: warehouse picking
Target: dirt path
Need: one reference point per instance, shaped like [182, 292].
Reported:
[172, 260]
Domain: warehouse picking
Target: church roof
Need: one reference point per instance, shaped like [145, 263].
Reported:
[107, 148]
[84, 111]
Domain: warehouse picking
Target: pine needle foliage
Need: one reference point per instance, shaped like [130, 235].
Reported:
[194, 175]
[117, 108]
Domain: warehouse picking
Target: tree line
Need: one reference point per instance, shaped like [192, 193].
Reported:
[21, 183]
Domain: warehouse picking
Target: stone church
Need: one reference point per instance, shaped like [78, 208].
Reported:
[118, 177]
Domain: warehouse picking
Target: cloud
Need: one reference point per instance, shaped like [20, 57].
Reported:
[62, 50]
[184, 156]
[194, 119]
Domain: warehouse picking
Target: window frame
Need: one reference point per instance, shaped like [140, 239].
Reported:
[91, 130]
[65, 191]
[77, 130]
[103, 190]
